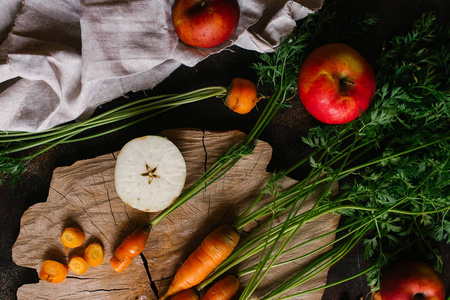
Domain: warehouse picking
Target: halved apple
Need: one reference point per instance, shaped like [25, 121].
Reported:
[150, 173]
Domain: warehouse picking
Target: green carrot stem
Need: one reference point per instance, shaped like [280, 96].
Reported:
[250, 247]
[206, 180]
[108, 117]
[329, 285]
[316, 267]
[255, 281]
[226, 162]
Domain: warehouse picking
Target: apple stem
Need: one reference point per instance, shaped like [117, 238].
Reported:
[347, 82]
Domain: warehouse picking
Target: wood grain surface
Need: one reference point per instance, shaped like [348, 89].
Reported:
[83, 195]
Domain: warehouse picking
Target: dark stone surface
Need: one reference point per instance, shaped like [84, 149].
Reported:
[283, 134]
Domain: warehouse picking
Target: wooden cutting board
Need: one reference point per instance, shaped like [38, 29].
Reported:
[83, 194]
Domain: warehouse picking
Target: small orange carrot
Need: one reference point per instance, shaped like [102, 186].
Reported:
[223, 289]
[376, 295]
[190, 294]
[94, 254]
[241, 96]
[120, 265]
[72, 237]
[214, 249]
[78, 264]
[131, 247]
[53, 271]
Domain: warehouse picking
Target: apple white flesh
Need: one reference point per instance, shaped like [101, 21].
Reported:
[336, 84]
[150, 173]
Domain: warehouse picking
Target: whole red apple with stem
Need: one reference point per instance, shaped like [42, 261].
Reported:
[205, 23]
[411, 280]
[336, 84]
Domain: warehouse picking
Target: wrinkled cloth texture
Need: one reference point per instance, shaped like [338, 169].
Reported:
[60, 59]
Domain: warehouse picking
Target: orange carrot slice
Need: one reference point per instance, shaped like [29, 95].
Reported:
[53, 271]
[94, 255]
[72, 237]
[78, 264]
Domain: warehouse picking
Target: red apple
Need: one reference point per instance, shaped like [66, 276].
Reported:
[205, 23]
[336, 84]
[412, 280]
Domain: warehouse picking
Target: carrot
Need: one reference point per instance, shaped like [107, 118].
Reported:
[78, 264]
[72, 237]
[53, 271]
[131, 247]
[241, 96]
[120, 265]
[217, 246]
[190, 294]
[376, 295]
[94, 254]
[223, 289]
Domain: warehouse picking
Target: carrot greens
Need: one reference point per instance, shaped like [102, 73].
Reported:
[17, 148]
[392, 165]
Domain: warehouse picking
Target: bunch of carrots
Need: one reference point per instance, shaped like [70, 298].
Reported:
[195, 273]
[205, 264]
[213, 250]
[241, 98]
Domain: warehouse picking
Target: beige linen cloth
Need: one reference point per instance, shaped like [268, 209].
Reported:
[60, 59]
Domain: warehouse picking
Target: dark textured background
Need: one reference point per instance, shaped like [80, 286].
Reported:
[283, 134]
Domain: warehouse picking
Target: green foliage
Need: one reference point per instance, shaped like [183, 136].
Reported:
[14, 143]
[280, 68]
[394, 157]
[406, 129]
[12, 168]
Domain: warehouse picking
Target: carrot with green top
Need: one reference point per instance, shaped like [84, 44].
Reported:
[241, 96]
[214, 249]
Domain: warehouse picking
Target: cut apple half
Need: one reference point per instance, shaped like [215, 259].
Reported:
[150, 173]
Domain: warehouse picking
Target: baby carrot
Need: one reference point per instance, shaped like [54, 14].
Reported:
[94, 254]
[215, 248]
[190, 294]
[72, 237]
[131, 247]
[53, 271]
[120, 265]
[223, 289]
[241, 96]
[78, 264]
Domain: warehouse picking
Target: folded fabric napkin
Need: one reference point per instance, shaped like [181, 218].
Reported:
[60, 59]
